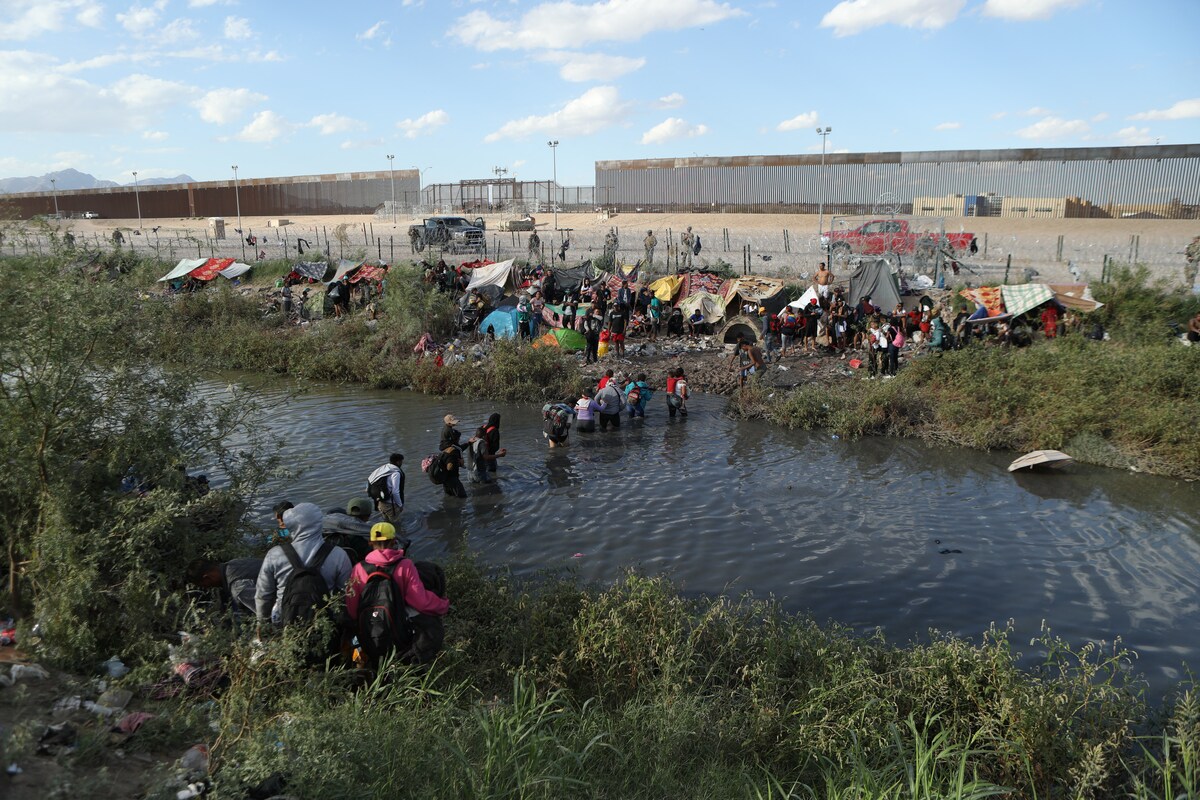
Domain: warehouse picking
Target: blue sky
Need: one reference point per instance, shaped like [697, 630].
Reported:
[459, 88]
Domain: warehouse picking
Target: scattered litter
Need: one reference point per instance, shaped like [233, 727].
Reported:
[8, 633]
[131, 722]
[68, 704]
[195, 759]
[198, 789]
[27, 671]
[855, 363]
[115, 668]
[835, 437]
[577, 555]
[115, 698]
[56, 739]
[13, 769]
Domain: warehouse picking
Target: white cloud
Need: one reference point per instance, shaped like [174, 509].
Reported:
[140, 92]
[1000, 115]
[582, 67]
[267, 126]
[222, 106]
[237, 28]
[1025, 10]
[1055, 128]
[259, 57]
[672, 128]
[947, 126]
[177, 30]
[27, 19]
[1100, 117]
[520, 162]
[594, 110]
[329, 124]
[423, 125]
[855, 16]
[372, 32]
[559, 25]
[140, 20]
[798, 122]
[1184, 109]
[155, 136]
[1134, 135]
[1036, 111]
[206, 3]
[672, 100]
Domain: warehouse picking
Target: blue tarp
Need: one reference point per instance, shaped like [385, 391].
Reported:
[504, 320]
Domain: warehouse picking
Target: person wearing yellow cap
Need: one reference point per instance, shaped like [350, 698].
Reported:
[367, 603]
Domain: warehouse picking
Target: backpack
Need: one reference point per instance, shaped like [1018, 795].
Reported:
[696, 247]
[306, 588]
[383, 625]
[377, 489]
[634, 396]
[437, 469]
[556, 420]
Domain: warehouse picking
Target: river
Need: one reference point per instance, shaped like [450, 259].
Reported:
[876, 533]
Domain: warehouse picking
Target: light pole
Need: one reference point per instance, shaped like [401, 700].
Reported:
[237, 198]
[392, 175]
[824, 134]
[553, 143]
[137, 198]
[54, 189]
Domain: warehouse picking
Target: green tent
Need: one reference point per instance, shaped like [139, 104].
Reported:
[562, 337]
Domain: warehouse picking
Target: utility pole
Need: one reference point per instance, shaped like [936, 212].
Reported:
[238, 199]
[137, 199]
[553, 144]
[392, 174]
[824, 134]
[54, 189]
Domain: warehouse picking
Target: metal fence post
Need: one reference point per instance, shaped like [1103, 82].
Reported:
[1007, 267]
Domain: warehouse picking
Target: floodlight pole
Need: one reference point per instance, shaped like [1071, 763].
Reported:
[54, 189]
[553, 143]
[237, 198]
[824, 134]
[392, 173]
[137, 199]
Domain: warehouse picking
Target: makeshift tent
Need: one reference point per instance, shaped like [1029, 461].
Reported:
[491, 296]
[501, 274]
[693, 282]
[210, 269]
[344, 268]
[561, 337]
[570, 279]
[665, 288]
[483, 262]
[312, 270]
[990, 297]
[712, 306]
[503, 321]
[762, 292]
[1021, 298]
[183, 269]
[235, 270]
[370, 272]
[1076, 296]
[874, 278]
[810, 295]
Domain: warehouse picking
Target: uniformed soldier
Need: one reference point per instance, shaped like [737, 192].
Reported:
[650, 242]
[1193, 264]
[535, 248]
[687, 240]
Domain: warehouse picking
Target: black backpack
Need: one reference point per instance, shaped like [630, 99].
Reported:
[383, 624]
[377, 489]
[696, 247]
[306, 589]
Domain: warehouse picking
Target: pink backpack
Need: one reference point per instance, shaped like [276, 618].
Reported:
[899, 340]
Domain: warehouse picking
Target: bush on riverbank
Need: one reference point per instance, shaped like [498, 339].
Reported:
[634, 691]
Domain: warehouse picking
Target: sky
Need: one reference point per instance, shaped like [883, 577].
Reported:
[459, 88]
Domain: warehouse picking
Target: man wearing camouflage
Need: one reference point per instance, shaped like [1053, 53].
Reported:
[535, 248]
[1193, 264]
[650, 242]
[610, 245]
[686, 241]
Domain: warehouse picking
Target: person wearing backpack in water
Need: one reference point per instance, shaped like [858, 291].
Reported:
[480, 456]
[637, 396]
[449, 463]
[298, 574]
[386, 487]
[383, 587]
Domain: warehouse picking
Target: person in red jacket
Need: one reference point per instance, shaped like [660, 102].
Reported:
[385, 553]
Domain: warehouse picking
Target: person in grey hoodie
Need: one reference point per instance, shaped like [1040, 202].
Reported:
[304, 532]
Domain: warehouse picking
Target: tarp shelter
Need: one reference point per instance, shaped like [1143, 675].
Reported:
[235, 270]
[183, 268]
[491, 296]
[712, 306]
[344, 268]
[210, 269]
[370, 272]
[990, 297]
[698, 281]
[810, 295]
[501, 274]
[562, 337]
[1076, 296]
[665, 288]
[569, 279]
[764, 292]
[874, 278]
[313, 270]
[1023, 297]
[503, 321]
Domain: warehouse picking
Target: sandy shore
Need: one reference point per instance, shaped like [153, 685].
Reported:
[785, 245]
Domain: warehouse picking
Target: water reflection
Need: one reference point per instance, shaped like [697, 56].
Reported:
[871, 533]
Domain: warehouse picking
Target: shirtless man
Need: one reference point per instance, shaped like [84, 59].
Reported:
[755, 357]
[823, 280]
[1193, 331]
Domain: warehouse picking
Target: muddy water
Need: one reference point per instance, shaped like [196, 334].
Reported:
[874, 533]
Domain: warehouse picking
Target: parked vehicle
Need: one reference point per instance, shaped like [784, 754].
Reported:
[91, 215]
[883, 237]
[453, 234]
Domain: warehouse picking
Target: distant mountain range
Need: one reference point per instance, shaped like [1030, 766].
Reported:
[74, 179]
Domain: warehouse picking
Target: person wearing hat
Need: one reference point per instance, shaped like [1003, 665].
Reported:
[348, 528]
[388, 554]
[450, 432]
[451, 458]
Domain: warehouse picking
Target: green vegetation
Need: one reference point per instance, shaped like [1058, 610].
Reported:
[1130, 402]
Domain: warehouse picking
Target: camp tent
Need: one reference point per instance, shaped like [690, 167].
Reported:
[344, 268]
[500, 274]
[205, 269]
[711, 305]
[563, 338]
[503, 321]
[762, 292]
[370, 272]
[990, 297]
[1076, 296]
[666, 288]
[235, 270]
[569, 279]
[183, 268]
[313, 270]
[874, 278]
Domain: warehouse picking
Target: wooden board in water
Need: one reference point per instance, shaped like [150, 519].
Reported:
[1041, 459]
